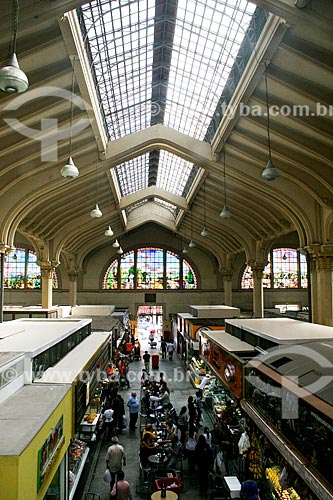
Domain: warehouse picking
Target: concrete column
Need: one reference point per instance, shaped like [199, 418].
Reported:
[322, 283]
[227, 285]
[47, 271]
[258, 292]
[73, 275]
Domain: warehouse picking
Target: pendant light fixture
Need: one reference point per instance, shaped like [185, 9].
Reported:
[70, 171]
[120, 250]
[225, 214]
[108, 231]
[116, 244]
[12, 78]
[204, 231]
[96, 212]
[191, 243]
[270, 173]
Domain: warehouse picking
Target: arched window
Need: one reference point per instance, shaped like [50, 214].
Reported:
[149, 268]
[21, 271]
[288, 270]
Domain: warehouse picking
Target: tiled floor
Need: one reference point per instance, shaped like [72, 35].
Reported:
[181, 388]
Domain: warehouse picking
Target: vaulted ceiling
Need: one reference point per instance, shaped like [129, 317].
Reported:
[295, 45]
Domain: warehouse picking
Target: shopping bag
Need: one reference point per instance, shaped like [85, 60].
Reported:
[107, 476]
[124, 421]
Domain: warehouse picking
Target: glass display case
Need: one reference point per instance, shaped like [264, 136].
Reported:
[197, 369]
[77, 456]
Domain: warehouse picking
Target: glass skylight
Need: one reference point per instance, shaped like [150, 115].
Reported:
[166, 63]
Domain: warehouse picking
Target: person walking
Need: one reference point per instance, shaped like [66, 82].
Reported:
[115, 459]
[170, 350]
[146, 359]
[163, 349]
[121, 489]
[133, 405]
[182, 423]
[204, 460]
[249, 488]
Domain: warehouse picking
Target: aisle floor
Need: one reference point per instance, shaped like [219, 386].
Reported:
[180, 388]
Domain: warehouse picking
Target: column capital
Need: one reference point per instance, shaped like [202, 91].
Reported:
[321, 257]
[317, 250]
[227, 275]
[6, 249]
[257, 265]
[73, 275]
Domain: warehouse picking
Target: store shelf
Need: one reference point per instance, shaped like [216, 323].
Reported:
[78, 473]
[87, 429]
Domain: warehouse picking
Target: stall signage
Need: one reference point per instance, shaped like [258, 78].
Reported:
[49, 451]
[224, 365]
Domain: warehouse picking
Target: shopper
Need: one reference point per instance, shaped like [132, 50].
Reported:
[133, 405]
[146, 359]
[170, 350]
[182, 423]
[204, 460]
[163, 349]
[115, 459]
[249, 488]
[121, 489]
[109, 423]
[192, 412]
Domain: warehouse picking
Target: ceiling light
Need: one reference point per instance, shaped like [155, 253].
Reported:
[225, 214]
[116, 244]
[120, 250]
[108, 232]
[185, 250]
[204, 232]
[270, 173]
[96, 212]
[12, 78]
[69, 171]
[191, 244]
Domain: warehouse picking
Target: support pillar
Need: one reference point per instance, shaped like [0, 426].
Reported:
[227, 286]
[73, 275]
[321, 266]
[258, 292]
[47, 271]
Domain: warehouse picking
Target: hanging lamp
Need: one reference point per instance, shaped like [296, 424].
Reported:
[70, 171]
[204, 231]
[192, 243]
[12, 79]
[96, 212]
[270, 173]
[108, 231]
[120, 250]
[225, 214]
[116, 244]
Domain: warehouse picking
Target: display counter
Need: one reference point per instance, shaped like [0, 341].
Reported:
[273, 476]
[77, 456]
[197, 370]
[88, 426]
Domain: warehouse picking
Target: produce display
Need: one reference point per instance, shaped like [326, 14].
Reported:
[273, 475]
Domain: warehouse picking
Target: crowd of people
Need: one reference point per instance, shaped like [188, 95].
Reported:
[174, 436]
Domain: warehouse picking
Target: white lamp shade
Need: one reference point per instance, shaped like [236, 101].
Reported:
[204, 232]
[12, 78]
[96, 212]
[108, 232]
[270, 173]
[120, 250]
[225, 214]
[116, 244]
[185, 250]
[69, 171]
[191, 244]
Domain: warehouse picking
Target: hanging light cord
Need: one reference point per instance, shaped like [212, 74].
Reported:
[72, 111]
[15, 24]
[97, 173]
[224, 178]
[204, 200]
[267, 110]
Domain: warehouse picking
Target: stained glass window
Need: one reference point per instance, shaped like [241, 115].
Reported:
[172, 271]
[22, 271]
[189, 278]
[127, 271]
[110, 281]
[288, 270]
[149, 268]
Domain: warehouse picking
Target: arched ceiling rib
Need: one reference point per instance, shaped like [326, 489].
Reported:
[37, 201]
